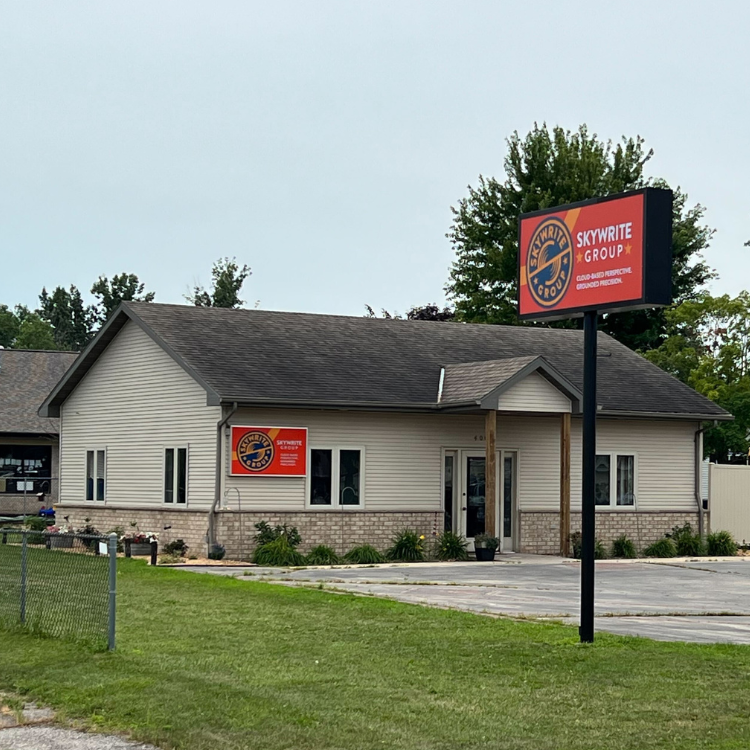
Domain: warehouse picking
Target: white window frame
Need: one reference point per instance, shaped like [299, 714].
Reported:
[613, 506]
[335, 477]
[94, 498]
[175, 448]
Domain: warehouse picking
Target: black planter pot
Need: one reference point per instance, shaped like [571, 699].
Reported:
[484, 555]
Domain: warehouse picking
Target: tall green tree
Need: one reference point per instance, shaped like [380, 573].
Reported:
[9, 325]
[708, 347]
[550, 167]
[35, 333]
[227, 280]
[124, 287]
[70, 318]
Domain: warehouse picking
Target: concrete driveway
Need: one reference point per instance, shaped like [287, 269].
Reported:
[703, 600]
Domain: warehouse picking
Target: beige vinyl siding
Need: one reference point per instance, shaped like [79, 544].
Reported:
[402, 455]
[534, 393]
[664, 460]
[730, 500]
[135, 402]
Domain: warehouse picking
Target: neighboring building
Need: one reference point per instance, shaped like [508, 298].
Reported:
[394, 420]
[28, 442]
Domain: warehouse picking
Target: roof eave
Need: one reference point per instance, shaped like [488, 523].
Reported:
[693, 417]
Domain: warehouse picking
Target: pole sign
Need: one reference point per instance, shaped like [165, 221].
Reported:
[607, 254]
[603, 255]
[269, 451]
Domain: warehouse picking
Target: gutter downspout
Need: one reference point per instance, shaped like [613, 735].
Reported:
[217, 487]
[698, 440]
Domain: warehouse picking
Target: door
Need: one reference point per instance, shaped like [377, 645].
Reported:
[472, 518]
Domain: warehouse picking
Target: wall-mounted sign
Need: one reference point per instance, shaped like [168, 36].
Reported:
[607, 254]
[269, 451]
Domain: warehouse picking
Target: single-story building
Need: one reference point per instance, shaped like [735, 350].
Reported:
[199, 422]
[28, 442]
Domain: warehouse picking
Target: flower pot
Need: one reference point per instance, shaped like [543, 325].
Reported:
[140, 549]
[61, 541]
[484, 555]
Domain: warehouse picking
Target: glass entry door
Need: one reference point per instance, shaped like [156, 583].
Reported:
[473, 496]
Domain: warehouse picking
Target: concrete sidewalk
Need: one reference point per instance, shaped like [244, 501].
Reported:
[699, 600]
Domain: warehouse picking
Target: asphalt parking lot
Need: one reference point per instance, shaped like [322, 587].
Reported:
[703, 600]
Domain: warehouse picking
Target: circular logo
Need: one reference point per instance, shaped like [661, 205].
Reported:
[549, 262]
[255, 451]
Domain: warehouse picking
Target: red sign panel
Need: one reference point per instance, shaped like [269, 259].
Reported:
[609, 254]
[269, 451]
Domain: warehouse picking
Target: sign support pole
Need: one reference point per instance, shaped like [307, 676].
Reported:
[588, 507]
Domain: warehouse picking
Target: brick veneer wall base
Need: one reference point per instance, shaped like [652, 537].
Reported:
[540, 531]
[341, 530]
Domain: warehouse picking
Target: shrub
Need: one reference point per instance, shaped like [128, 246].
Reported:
[217, 552]
[450, 546]
[119, 531]
[176, 547]
[623, 547]
[37, 524]
[721, 543]
[365, 554]
[576, 542]
[278, 552]
[267, 533]
[687, 543]
[661, 548]
[322, 555]
[408, 546]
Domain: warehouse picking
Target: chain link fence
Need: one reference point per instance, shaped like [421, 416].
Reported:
[59, 584]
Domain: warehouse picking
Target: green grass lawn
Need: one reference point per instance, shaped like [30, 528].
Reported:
[205, 662]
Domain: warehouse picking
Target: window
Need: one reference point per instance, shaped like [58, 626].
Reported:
[448, 488]
[96, 461]
[25, 468]
[335, 477]
[618, 471]
[175, 475]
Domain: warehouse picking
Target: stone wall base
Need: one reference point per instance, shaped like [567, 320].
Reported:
[341, 530]
[540, 531]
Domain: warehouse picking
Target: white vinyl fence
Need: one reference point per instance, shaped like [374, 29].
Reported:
[729, 500]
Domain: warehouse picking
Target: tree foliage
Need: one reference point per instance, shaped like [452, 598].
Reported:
[227, 280]
[549, 168]
[35, 333]
[9, 325]
[426, 312]
[708, 347]
[124, 287]
[72, 321]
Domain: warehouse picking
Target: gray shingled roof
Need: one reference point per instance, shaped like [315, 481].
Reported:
[256, 356]
[26, 378]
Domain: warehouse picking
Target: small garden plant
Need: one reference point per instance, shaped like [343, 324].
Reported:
[576, 542]
[486, 541]
[664, 547]
[721, 543]
[364, 554]
[279, 552]
[322, 555]
[450, 546]
[623, 547]
[176, 547]
[687, 543]
[408, 546]
[217, 552]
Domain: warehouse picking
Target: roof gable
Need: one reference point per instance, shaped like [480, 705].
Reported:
[483, 383]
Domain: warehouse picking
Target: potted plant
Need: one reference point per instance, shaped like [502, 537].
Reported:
[485, 547]
[60, 537]
[139, 543]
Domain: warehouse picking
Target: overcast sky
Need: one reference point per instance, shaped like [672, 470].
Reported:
[323, 143]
